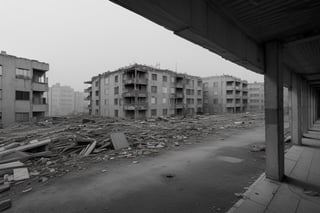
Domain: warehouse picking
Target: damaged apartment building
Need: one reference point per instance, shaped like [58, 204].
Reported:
[23, 89]
[224, 94]
[140, 91]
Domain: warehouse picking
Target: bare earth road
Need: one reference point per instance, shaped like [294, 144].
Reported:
[197, 178]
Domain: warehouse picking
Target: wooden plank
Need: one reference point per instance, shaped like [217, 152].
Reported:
[90, 149]
[119, 140]
[20, 174]
[27, 147]
[11, 165]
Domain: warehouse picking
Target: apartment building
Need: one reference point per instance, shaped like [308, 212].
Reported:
[139, 92]
[224, 94]
[61, 100]
[256, 97]
[23, 89]
[80, 104]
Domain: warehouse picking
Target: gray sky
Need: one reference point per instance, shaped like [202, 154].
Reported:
[82, 38]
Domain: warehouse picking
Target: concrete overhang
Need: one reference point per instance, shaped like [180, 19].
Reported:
[238, 30]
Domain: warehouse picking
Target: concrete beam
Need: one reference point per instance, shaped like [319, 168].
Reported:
[296, 135]
[274, 111]
[205, 24]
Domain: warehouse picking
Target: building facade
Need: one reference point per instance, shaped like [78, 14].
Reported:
[80, 104]
[63, 100]
[256, 97]
[224, 94]
[23, 89]
[139, 92]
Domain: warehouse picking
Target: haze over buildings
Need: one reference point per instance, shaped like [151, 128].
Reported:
[92, 41]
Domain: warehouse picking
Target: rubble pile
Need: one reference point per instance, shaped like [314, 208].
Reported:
[36, 152]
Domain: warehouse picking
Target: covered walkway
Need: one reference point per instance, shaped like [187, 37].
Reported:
[299, 193]
[279, 39]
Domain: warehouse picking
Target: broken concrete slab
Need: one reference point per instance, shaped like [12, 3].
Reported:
[5, 204]
[119, 140]
[4, 187]
[20, 174]
[27, 147]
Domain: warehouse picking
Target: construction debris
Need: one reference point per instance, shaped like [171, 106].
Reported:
[119, 140]
[36, 152]
[5, 204]
[20, 174]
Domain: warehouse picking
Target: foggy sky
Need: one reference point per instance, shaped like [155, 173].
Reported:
[82, 38]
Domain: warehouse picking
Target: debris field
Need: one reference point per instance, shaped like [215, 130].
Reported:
[35, 152]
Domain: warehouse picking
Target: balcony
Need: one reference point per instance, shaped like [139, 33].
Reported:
[88, 98]
[230, 105]
[178, 106]
[135, 93]
[179, 95]
[133, 106]
[40, 107]
[230, 87]
[87, 90]
[135, 81]
[179, 85]
[43, 87]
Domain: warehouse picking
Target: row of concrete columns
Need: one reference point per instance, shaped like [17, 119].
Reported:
[304, 109]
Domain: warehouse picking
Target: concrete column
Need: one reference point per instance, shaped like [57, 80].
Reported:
[274, 111]
[296, 110]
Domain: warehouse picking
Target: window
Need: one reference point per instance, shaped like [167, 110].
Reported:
[164, 78]
[165, 112]
[0, 118]
[172, 90]
[97, 112]
[154, 77]
[0, 69]
[164, 90]
[164, 100]
[0, 94]
[97, 102]
[205, 85]
[106, 81]
[22, 95]
[229, 101]
[188, 91]
[199, 101]
[215, 101]
[97, 83]
[106, 91]
[116, 79]
[116, 113]
[23, 73]
[97, 93]
[192, 92]
[22, 116]
[199, 92]
[229, 92]
[106, 101]
[199, 83]
[215, 84]
[154, 89]
[116, 101]
[153, 100]
[254, 95]
[153, 112]
[116, 90]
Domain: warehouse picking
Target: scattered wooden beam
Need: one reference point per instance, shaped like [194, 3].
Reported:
[90, 148]
[11, 165]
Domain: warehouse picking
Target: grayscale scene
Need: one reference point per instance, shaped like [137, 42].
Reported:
[158, 106]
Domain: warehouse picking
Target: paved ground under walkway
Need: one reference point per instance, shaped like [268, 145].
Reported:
[299, 193]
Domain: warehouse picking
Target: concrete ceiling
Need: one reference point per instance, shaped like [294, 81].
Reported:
[238, 29]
